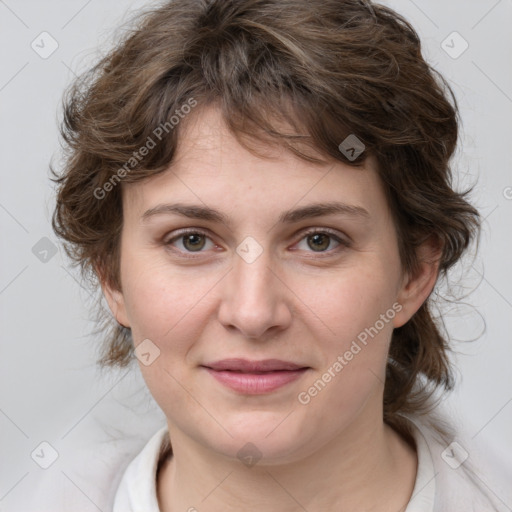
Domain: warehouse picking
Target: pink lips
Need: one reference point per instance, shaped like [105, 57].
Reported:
[254, 377]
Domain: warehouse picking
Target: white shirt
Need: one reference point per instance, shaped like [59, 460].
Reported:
[443, 484]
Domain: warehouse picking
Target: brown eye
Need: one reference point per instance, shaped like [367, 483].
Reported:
[323, 241]
[193, 242]
[319, 241]
[190, 241]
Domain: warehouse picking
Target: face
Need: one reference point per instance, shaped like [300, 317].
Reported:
[253, 266]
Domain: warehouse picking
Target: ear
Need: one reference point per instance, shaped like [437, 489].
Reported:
[115, 299]
[415, 289]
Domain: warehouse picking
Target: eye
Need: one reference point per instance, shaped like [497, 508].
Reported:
[321, 241]
[190, 241]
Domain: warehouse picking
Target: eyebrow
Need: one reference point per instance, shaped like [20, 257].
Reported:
[287, 217]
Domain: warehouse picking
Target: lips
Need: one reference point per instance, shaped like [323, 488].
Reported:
[254, 377]
[246, 366]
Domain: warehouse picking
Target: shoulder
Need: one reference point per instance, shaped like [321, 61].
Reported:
[137, 488]
[462, 472]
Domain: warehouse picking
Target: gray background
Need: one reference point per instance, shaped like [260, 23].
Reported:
[50, 389]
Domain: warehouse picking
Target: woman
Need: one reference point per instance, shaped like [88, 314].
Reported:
[262, 189]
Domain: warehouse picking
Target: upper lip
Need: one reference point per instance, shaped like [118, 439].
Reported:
[244, 365]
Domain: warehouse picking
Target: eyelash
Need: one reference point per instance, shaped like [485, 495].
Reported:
[344, 244]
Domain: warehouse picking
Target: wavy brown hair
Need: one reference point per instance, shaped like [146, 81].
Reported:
[327, 69]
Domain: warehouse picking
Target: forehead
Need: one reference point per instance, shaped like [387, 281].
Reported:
[211, 167]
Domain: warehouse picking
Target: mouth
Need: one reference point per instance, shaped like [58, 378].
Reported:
[255, 377]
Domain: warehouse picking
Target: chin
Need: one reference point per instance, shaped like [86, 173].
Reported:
[263, 437]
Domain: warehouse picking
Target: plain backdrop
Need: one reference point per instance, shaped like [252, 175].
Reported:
[50, 388]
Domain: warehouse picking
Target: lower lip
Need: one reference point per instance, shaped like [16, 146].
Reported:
[256, 383]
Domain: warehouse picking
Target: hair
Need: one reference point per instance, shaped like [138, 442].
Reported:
[326, 68]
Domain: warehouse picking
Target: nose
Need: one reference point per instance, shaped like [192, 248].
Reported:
[255, 300]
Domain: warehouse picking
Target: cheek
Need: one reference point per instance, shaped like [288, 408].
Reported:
[348, 303]
[162, 301]
[170, 309]
[356, 311]
[354, 361]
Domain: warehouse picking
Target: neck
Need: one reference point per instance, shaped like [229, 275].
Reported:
[367, 466]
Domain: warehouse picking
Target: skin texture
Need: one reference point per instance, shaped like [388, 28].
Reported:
[292, 302]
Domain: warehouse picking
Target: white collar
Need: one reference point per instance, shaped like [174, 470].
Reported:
[137, 489]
